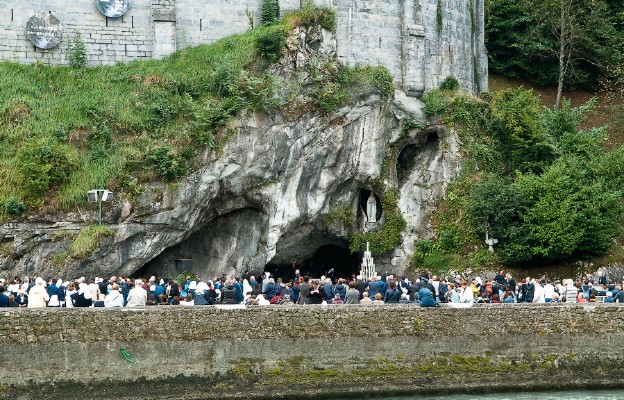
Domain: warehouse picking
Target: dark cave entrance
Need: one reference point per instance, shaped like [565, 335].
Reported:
[409, 155]
[326, 257]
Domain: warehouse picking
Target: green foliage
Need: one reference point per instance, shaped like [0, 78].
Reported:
[166, 162]
[42, 167]
[12, 206]
[88, 240]
[77, 52]
[519, 137]
[269, 12]
[439, 17]
[542, 206]
[523, 40]
[450, 83]
[64, 129]
[436, 102]
[389, 236]
[310, 15]
[270, 43]
[181, 277]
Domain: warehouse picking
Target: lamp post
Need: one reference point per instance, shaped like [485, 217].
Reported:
[99, 195]
[490, 242]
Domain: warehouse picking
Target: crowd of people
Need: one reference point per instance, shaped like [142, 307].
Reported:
[425, 291]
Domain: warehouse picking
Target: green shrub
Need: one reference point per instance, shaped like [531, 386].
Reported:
[310, 15]
[449, 238]
[270, 43]
[12, 206]
[450, 83]
[166, 162]
[42, 167]
[77, 52]
[269, 12]
[436, 102]
[330, 96]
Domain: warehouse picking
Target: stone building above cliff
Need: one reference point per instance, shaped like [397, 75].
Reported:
[421, 42]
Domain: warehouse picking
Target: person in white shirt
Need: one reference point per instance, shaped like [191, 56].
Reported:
[466, 295]
[114, 298]
[137, 297]
[549, 291]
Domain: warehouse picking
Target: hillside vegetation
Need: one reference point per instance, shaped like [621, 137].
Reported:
[65, 130]
[547, 189]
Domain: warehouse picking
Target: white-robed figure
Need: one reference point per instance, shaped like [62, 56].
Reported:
[246, 289]
[371, 208]
[37, 295]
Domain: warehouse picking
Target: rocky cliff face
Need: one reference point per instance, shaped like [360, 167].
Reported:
[270, 196]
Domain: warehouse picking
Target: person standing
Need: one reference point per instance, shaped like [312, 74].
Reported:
[37, 295]
[304, 290]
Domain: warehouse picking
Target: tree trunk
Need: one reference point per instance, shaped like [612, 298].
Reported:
[562, 53]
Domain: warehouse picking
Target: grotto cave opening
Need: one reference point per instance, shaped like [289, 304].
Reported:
[334, 256]
[412, 153]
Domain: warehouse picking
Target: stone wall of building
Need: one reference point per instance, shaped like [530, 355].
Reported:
[253, 352]
[420, 41]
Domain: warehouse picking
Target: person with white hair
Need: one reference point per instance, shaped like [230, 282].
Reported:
[137, 297]
[38, 296]
[114, 298]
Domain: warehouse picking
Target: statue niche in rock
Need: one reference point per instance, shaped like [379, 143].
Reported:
[371, 213]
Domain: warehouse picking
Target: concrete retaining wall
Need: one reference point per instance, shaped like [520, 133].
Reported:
[280, 351]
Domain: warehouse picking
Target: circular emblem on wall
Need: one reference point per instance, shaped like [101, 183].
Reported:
[112, 8]
[44, 31]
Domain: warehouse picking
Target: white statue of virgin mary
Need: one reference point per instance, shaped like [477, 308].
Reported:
[371, 208]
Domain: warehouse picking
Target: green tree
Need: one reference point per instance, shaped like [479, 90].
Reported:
[520, 139]
[563, 42]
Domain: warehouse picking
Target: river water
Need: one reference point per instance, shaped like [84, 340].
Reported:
[569, 395]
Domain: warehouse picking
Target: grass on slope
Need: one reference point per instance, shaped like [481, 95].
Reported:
[64, 131]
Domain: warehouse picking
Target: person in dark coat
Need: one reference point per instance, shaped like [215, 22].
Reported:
[4, 299]
[270, 290]
[360, 285]
[229, 294]
[393, 295]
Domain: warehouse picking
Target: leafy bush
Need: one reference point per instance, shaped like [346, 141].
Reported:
[42, 167]
[436, 102]
[12, 206]
[450, 83]
[330, 96]
[166, 162]
[269, 12]
[270, 43]
[77, 52]
[310, 15]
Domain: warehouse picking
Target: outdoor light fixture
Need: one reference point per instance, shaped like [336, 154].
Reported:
[99, 195]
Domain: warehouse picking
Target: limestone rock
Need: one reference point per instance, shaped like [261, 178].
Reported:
[280, 190]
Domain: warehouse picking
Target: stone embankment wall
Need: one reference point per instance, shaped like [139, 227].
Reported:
[420, 41]
[282, 351]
